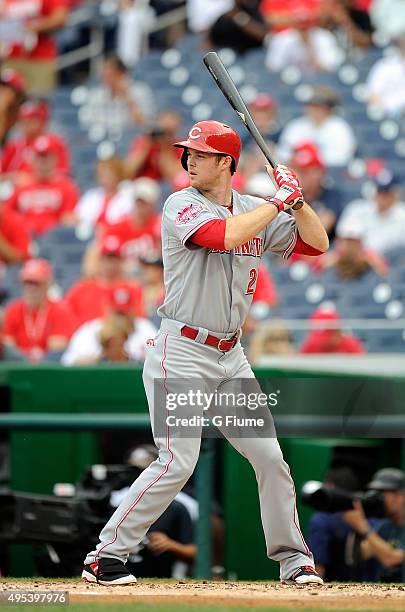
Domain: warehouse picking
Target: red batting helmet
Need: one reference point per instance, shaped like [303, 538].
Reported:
[212, 137]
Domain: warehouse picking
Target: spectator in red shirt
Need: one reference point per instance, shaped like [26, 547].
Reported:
[90, 297]
[153, 154]
[30, 48]
[324, 339]
[14, 240]
[49, 198]
[12, 91]
[35, 324]
[8, 353]
[138, 233]
[282, 14]
[18, 153]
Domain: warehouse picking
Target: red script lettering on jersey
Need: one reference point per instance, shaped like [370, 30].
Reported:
[188, 214]
[252, 248]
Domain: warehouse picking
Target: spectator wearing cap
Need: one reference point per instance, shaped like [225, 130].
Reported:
[138, 233]
[386, 81]
[119, 102]
[326, 337]
[49, 198]
[241, 28]
[89, 298]
[321, 125]
[382, 217]
[325, 199]
[85, 345]
[306, 46]
[263, 109]
[385, 542]
[28, 43]
[18, 153]
[12, 92]
[152, 155]
[110, 201]
[349, 257]
[14, 239]
[34, 323]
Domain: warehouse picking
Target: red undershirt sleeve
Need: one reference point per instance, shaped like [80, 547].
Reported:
[211, 235]
[302, 248]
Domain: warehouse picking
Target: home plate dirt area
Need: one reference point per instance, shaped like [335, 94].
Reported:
[219, 594]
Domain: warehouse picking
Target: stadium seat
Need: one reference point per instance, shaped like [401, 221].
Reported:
[386, 341]
[11, 285]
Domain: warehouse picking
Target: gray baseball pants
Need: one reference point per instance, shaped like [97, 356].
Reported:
[171, 357]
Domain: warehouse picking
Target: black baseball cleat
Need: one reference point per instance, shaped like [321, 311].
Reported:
[305, 575]
[108, 572]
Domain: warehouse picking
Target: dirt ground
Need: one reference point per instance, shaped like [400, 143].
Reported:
[241, 594]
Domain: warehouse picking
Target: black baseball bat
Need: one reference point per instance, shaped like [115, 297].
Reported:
[227, 86]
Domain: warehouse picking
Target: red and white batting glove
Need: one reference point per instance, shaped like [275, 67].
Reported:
[284, 175]
[287, 196]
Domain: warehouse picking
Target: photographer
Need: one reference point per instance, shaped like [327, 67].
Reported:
[328, 533]
[383, 543]
[152, 155]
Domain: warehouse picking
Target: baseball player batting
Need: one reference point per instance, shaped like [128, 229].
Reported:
[213, 239]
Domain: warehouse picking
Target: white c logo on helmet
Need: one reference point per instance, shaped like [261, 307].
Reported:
[195, 132]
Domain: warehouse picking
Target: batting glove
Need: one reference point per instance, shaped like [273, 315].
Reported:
[284, 174]
[288, 196]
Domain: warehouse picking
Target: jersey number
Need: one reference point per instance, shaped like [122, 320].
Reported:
[252, 282]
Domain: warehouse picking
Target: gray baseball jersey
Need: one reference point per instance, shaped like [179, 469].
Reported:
[208, 288]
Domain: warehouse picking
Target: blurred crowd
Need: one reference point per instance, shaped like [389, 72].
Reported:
[109, 312]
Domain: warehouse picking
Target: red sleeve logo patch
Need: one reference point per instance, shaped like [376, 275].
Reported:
[188, 214]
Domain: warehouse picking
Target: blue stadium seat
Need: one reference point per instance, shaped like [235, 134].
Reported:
[386, 341]
[11, 285]
[396, 258]
[67, 275]
[62, 247]
[297, 310]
